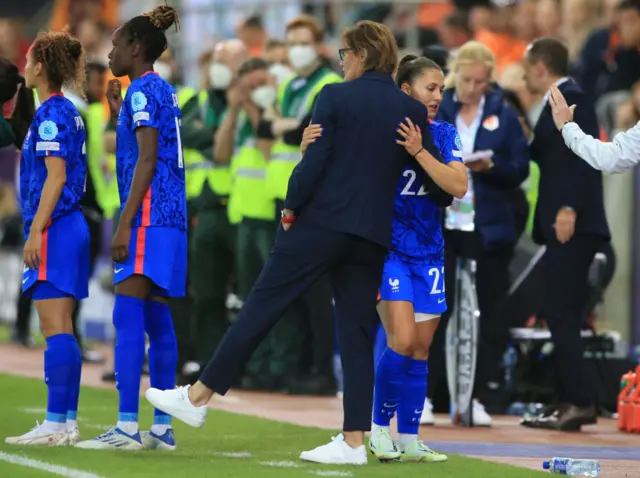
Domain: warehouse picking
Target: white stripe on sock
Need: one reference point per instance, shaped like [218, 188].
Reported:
[44, 466]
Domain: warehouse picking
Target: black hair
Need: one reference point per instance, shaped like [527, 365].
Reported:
[438, 54]
[11, 82]
[412, 67]
[254, 21]
[553, 54]
[252, 64]
[629, 5]
[149, 28]
[459, 20]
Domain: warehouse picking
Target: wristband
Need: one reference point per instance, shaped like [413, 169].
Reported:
[419, 151]
[287, 219]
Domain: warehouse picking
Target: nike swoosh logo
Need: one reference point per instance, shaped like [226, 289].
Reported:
[440, 301]
[24, 280]
[118, 270]
[386, 405]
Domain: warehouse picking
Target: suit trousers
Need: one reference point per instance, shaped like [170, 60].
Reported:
[565, 295]
[298, 259]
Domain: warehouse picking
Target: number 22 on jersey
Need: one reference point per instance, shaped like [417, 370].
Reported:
[408, 190]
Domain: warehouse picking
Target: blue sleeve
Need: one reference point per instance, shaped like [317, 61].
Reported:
[310, 168]
[144, 108]
[52, 130]
[511, 166]
[451, 145]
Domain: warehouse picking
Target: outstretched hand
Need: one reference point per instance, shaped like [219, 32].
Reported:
[561, 112]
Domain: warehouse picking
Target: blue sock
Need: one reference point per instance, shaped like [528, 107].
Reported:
[74, 388]
[59, 362]
[389, 379]
[128, 320]
[163, 351]
[413, 393]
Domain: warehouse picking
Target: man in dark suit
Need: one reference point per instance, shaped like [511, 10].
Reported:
[570, 221]
[337, 220]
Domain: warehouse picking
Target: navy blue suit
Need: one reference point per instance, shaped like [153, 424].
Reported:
[567, 180]
[342, 193]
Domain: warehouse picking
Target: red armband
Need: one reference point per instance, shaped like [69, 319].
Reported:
[288, 220]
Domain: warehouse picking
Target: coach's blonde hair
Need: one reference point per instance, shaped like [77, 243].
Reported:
[471, 52]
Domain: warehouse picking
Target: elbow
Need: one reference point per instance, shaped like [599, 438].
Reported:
[461, 187]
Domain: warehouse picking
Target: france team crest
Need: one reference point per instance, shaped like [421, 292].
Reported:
[47, 130]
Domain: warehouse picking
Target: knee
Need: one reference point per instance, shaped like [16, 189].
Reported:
[401, 343]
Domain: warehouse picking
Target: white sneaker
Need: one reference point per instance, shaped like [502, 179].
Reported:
[39, 435]
[480, 416]
[427, 417]
[151, 441]
[418, 451]
[73, 436]
[382, 446]
[337, 452]
[114, 439]
[177, 404]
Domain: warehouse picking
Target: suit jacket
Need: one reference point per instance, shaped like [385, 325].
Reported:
[565, 179]
[347, 179]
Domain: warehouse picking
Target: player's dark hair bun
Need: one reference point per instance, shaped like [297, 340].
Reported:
[411, 67]
[163, 17]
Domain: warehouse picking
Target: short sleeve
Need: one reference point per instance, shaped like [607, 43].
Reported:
[53, 132]
[144, 109]
[451, 144]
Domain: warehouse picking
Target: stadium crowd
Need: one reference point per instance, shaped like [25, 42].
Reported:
[241, 133]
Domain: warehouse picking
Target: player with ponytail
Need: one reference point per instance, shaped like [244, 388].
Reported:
[149, 248]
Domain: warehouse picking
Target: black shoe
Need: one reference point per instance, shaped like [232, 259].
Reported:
[567, 417]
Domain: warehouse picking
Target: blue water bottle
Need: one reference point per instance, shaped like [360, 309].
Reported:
[569, 467]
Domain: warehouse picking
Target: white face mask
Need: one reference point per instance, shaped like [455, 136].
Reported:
[163, 70]
[264, 96]
[220, 76]
[302, 56]
[280, 72]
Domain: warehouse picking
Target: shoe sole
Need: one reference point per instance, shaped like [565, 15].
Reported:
[385, 459]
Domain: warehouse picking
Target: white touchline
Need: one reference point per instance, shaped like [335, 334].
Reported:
[44, 466]
[330, 473]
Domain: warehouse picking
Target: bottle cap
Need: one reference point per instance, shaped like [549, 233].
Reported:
[546, 465]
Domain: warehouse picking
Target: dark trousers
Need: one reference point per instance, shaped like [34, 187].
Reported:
[492, 286]
[566, 289]
[299, 258]
[23, 318]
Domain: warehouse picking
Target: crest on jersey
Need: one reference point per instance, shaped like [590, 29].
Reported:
[492, 123]
[47, 130]
[138, 101]
[458, 142]
[395, 284]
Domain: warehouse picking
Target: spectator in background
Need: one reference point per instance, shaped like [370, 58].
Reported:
[512, 78]
[579, 18]
[72, 12]
[486, 223]
[628, 114]
[455, 31]
[499, 36]
[277, 55]
[625, 69]
[597, 58]
[524, 27]
[95, 40]
[548, 18]
[251, 32]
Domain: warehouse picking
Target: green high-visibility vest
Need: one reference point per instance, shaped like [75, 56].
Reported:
[243, 199]
[293, 104]
[106, 188]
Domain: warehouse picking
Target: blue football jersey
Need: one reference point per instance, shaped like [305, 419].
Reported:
[417, 221]
[152, 102]
[57, 130]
